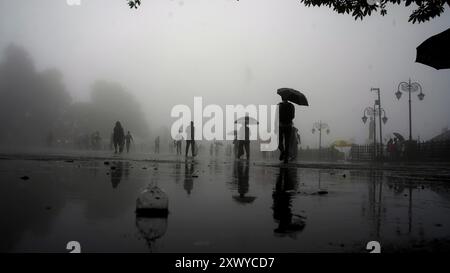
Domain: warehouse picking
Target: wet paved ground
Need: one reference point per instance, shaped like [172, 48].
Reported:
[219, 205]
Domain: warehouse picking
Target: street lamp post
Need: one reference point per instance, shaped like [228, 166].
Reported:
[319, 126]
[379, 117]
[374, 112]
[409, 87]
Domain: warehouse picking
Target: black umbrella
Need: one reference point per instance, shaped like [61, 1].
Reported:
[399, 136]
[435, 51]
[293, 96]
[249, 120]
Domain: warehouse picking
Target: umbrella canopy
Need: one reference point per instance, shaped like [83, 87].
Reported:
[293, 96]
[399, 136]
[435, 51]
[341, 143]
[250, 120]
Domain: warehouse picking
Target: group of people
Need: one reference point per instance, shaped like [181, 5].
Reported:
[288, 137]
[395, 148]
[120, 139]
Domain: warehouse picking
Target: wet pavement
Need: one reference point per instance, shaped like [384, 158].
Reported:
[217, 205]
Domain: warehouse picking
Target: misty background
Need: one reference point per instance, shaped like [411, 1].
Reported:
[91, 64]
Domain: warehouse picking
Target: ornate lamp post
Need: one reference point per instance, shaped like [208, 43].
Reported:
[409, 87]
[378, 102]
[374, 112]
[319, 126]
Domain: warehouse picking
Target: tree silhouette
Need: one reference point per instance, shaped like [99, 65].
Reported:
[31, 102]
[426, 9]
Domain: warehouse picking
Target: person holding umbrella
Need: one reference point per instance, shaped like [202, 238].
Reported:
[244, 133]
[286, 112]
[286, 115]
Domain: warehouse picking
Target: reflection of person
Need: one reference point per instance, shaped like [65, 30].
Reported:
[128, 139]
[286, 115]
[243, 178]
[188, 181]
[235, 145]
[119, 137]
[190, 140]
[282, 202]
[116, 174]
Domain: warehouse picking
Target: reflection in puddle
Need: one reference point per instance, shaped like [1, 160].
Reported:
[151, 229]
[285, 187]
[234, 206]
[241, 176]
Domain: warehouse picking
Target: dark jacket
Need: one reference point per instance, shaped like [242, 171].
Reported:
[286, 113]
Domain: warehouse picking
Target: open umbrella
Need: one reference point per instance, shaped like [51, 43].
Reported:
[399, 136]
[293, 96]
[435, 51]
[250, 120]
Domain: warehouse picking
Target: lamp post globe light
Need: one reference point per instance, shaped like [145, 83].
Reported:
[373, 112]
[409, 87]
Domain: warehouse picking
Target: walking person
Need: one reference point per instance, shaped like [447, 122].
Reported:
[286, 115]
[244, 145]
[178, 141]
[128, 139]
[190, 140]
[118, 137]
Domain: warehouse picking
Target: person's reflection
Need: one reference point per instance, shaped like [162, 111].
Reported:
[188, 180]
[177, 172]
[116, 174]
[286, 186]
[241, 174]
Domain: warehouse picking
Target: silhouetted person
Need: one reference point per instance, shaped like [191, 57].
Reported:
[190, 140]
[245, 143]
[286, 115]
[188, 180]
[157, 145]
[128, 139]
[178, 141]
[119, 137]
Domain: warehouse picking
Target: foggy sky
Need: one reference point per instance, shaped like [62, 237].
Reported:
[230, 52]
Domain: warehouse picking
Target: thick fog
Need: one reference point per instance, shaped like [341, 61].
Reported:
[236, 52]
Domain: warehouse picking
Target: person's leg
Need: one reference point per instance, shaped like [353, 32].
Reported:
[281, 133]
[188, 143]
[247, 149]
[193, 148]
[240, 149]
